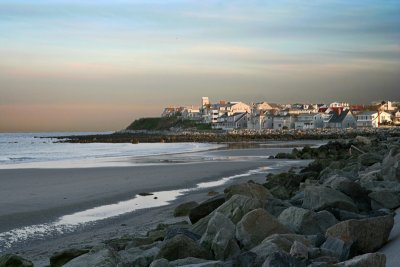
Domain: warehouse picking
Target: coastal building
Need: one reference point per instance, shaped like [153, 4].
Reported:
[172, 111]
[309, 121]
[396, 118]
[191, 113]
[344, 119]
[283, 122]
[236, 121]
[373, 118]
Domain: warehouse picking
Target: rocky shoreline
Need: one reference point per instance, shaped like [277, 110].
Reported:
[338, 211]
[216, 136]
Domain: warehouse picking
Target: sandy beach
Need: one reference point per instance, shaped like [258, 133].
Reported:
[52, 193]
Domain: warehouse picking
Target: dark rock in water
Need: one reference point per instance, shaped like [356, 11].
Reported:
[143, 194]
[185, 208]
[172, 232]
[366, 260]
[385, 199]
[180, 247]
[60, 258]
[391, 165]
[320, 197]
[339, 248]
[251, 190]
[257, 225]
[282, 259]
[367, 235]
[11, 260]
[205, 208]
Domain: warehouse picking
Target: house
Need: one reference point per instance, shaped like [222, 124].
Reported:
[172, 111]
[344, 119]
[283, 122]
[309, 121]
[396, 118]
[372, 118]
[214, 111]
[236, 121]
[191, 113]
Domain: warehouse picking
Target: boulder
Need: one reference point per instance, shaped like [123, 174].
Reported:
[255, 226]
[245, 259]
[103, 257]
[220, 237]
[205, 208]
[160, 263]
[369, 159]
[60, 258]
[248, 189]
[337, 247]
[385, 199]
[284, 185]
[137, 257]
[174, 231]
[185, 208]
[367, 235]
[391, 165]
[362, 140]
[11, 260]
[366, 260]
[320, 197]
[282, 259]
[275, 206]
[235, 208]
[180, 247]
[195, 262]
[299, 250]
[306, 222]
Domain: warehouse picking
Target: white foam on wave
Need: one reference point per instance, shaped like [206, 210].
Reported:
[70, 223]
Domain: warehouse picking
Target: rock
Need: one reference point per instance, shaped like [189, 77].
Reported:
[282, 259]
[297, 199]
[284, 185]
[325, 219]
[205, 208]
[300, 221]
[172, 232]
[339, 248]
[391, 165]
[299, 250]
[275, 206]
[255, 226]
[235, 208]
[366, 260]
[320, 197]
[251, 190]
[180, 247]
[245, 259]
[369, 159]
[103, 258]
[60, 258]
[185, 208]
[276, 243]
[160, 263]
[195, 262]
[385, 199]
[362, 140]
[346, 186]
[137, 257]
[367, 235]
[156, 235]
[343, 215]
[220, 237]
[11, 260]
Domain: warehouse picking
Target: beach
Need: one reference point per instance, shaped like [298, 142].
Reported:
[55, 192]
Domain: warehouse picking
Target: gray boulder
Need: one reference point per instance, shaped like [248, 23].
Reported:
[249, 189]
[137, 257]
[367, 235]
[185, 208]
[160, 263]
[180, 247]
[391, 165]
[337, 247]
[196, 262]
[275, 206]
[320, 197]
[366, 260]
[385, 199]
[60, 258]
[306, 222]
[282, 259]
[362, 140]
[174, 231]
[235, 208]
[299, 250]
[255, 226]
[205, 208]
[369, 159]
[11, 260]
[103, 257]
[220, 237]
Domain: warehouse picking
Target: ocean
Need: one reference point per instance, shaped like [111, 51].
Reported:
[28, 150]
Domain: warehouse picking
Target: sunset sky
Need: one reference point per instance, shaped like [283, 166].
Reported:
[74, 65]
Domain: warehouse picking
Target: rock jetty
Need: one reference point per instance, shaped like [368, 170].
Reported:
[338, 211]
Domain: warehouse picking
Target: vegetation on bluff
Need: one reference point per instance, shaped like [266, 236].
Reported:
[159, 124]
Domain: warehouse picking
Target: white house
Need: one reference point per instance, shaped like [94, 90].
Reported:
[191, 113]
[237, 121]
[371, 119]
[396, 118]
[309, 121]
[343, 120]
[283, 122]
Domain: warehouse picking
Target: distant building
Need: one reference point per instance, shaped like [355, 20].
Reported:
[308, 121]
[236, 121]
[345, 119]
[172, 111]
[283, 122]
[371, 118]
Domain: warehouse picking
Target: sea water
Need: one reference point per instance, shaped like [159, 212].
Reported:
[42, 150]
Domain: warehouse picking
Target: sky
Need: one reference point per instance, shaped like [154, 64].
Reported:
[85, 65]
